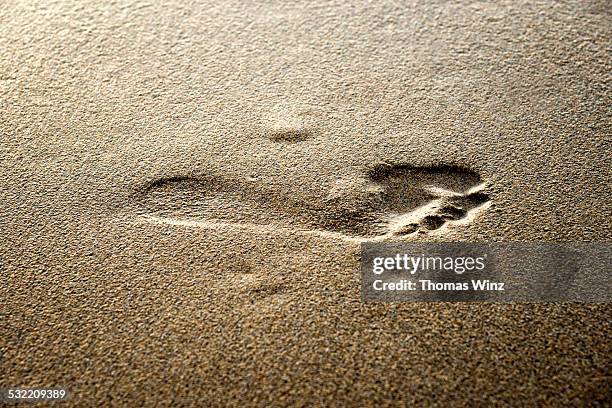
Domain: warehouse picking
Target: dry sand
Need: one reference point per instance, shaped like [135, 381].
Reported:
[124, 284]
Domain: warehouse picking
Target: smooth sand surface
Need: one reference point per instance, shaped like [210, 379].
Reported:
[184, 186]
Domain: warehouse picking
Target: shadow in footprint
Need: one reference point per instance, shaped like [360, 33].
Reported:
[388, 201]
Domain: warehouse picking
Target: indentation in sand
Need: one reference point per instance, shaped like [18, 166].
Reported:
[388, 201]
[285, 125]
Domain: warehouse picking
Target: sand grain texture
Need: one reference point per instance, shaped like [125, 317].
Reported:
[245, 127]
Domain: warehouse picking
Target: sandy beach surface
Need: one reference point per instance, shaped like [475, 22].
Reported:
[184, 186]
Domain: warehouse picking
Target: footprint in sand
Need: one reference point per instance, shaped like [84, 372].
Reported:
[388, 201]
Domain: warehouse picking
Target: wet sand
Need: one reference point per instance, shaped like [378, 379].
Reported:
[185, 186]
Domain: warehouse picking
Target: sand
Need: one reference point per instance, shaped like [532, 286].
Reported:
[122, 283]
